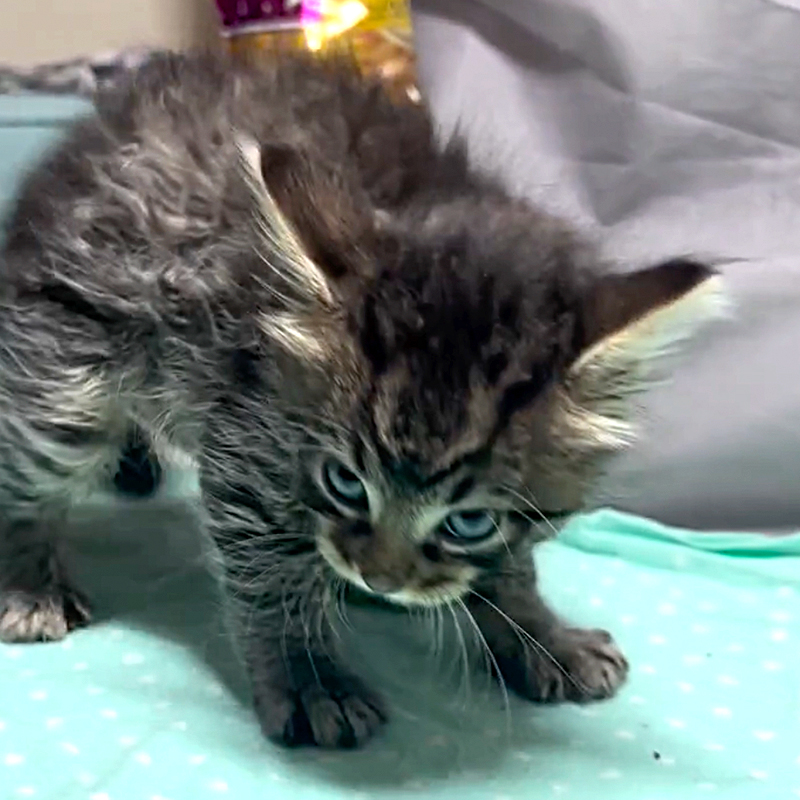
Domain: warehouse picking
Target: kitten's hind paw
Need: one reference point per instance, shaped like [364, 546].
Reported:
[40, 617]
[338, 712]
[579, 666]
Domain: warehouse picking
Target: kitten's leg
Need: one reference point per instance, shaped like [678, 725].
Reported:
[38, 601]
[43, 469]
[303, 696]
[280, 602]
[539, 656]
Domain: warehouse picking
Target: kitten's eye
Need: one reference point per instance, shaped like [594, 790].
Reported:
[344, 485]
[471, 525]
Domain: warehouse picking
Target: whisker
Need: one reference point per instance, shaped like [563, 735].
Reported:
[490, 660]
[464, 661]
[533, 507]
[537, 645]
[503, 539]
[341, 608]
[439, 617]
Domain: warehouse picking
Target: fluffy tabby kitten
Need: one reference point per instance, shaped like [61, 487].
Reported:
[388, 372]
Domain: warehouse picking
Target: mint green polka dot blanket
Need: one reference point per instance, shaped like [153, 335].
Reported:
[149, 704]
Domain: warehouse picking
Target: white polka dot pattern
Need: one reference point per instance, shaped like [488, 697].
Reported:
[117, 713]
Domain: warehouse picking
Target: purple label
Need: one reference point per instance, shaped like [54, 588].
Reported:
[240, 13]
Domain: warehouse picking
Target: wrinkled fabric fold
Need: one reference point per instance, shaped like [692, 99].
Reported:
[660, 128]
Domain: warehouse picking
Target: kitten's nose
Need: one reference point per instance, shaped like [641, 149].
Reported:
[382, 584]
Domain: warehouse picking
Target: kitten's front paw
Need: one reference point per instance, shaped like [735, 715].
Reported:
[338, 712]
[41, 617]
[579, 666]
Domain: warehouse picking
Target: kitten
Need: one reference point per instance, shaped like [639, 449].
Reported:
[389, 373]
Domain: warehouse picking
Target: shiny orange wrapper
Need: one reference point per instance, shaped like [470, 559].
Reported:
[377, 33]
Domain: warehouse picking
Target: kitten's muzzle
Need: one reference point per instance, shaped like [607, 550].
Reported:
[384, 561]
[391, 566]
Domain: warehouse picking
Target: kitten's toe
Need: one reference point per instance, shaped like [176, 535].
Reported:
[342, 713]
[579, 666]
[46, 616]
[341, 719]
[596, 664]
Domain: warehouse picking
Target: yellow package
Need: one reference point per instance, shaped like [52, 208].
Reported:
[376, 32]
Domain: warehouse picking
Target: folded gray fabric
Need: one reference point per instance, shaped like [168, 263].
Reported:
[666, 128]
[79, 76]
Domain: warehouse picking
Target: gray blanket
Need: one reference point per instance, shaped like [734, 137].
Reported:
[666, 128]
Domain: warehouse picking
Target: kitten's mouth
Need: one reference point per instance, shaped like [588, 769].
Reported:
[441, 594]
[409, 596]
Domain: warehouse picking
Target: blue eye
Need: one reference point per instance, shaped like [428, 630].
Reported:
[471, 525]
[344, 485]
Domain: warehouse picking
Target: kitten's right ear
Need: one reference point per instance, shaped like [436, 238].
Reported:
[651, 309]
[629, 323]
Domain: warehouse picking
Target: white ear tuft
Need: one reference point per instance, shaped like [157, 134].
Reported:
[583, 427]
[292, 334]
[282, 251]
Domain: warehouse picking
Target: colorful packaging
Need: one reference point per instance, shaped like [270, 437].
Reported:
[376, 32]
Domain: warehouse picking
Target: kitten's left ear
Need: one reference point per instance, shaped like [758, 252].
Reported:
[629, 323]
[312, 227]
[305, 282]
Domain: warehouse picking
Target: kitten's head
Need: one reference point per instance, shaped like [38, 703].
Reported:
[470, 370]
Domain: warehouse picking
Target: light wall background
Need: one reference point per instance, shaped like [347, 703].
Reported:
[33, 31]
